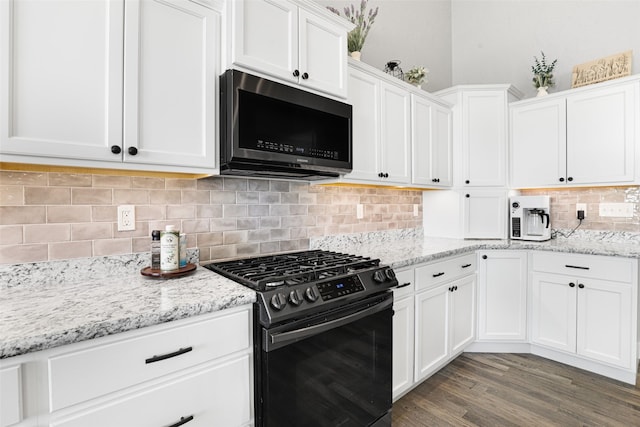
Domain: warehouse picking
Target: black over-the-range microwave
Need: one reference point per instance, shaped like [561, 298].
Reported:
[268, 129]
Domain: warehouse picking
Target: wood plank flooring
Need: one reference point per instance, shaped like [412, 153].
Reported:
[491, 390]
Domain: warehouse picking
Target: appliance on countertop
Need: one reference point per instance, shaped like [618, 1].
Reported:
[529, 218]
[322, 337]
[271, 130]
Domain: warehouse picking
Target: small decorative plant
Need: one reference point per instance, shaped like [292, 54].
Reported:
[543, 72]
[363, 21]
[416, 75]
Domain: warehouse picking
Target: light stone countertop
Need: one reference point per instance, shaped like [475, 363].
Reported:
[43, 316]
[46, 305]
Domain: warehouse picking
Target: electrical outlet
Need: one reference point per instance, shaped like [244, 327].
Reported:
[415, 210]
[126, 218]
[359, 211]
[581, 207]
[619, 210]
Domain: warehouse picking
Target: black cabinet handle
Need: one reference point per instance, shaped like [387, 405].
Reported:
[581, 286]
[403, 285]
[484, 257]
[572, 285]
[305, 76]
[451, 289]
[183, 421]
[133, 151]
[579, 267]
[570, 178]
[296, 73]
[467, 195]
[467, 182]
[168, 355]
[386, 175]
[115, 149]
[468, 265]
[438, 274]
[561, 179]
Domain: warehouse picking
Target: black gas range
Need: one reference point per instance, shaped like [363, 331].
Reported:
[322, 337]
[298, 284]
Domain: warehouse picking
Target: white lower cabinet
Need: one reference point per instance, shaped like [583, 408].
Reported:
[403, 333]
[10, 395]
[502, 295]
[585, 306]
[196, 371]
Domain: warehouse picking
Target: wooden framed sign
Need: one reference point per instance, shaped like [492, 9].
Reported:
[599, 70]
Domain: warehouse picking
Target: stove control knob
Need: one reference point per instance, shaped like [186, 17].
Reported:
[391, 275]
[311, 294]
[379, 276]
[278, 301]
[295, 297]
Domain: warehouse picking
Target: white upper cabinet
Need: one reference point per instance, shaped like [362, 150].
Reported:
[381, 133]
[61, 79]
[137, 89]
[305, 45]
[585, 136]
[431, 143]
[480, 116]
[171, 64]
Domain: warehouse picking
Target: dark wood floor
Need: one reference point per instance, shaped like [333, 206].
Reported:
[492, 390]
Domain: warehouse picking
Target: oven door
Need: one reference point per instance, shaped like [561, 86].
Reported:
[330, 370]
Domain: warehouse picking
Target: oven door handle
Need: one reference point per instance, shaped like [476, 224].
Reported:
[276, 340]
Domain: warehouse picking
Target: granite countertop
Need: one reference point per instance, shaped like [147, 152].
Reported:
[38, 316]
[108, 296]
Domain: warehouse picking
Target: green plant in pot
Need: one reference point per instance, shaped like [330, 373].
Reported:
[363, 21]
[543, 74]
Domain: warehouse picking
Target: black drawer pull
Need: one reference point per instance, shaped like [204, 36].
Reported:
[576, 266]
[438, 274]
[466, 265]
[168, 356]
[403, 285]
[183, 420]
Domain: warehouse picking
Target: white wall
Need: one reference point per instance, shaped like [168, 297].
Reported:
[417, 32]
[495, 41]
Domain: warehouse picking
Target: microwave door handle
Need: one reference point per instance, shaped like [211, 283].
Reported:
[276, 340]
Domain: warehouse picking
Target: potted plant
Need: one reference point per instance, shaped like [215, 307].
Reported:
[543, 74]
[417, 75]
[363, 21]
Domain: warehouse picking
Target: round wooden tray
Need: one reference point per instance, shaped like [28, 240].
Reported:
[160, 274]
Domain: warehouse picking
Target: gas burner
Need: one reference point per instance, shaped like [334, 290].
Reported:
[289, 269]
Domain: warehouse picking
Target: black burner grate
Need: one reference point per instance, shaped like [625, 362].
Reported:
[265, 272]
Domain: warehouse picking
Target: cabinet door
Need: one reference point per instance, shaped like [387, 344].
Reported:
[553, 311]
[171, 68]
[265, 36]
[502, 295]
[364, 96]
[538, 144]
[61, 78]
[484, 143]
[463, 314]
[403, 337]
[441, 148]
[395, 134]
[322, 54]
[219, 395]
[600, 134]
[10, 395]
[604, 322]
[431, 143]
[432, 330]
[485, 214]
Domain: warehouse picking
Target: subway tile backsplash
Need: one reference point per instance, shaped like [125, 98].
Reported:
[53, 216]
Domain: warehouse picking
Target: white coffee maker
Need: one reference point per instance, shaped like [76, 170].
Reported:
[529, 219]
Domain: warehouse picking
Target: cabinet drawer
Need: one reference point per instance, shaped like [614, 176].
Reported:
[10, 396]
[445, 270]
[219, 395]
[590, 266]
[403, 289]
[85, 374]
